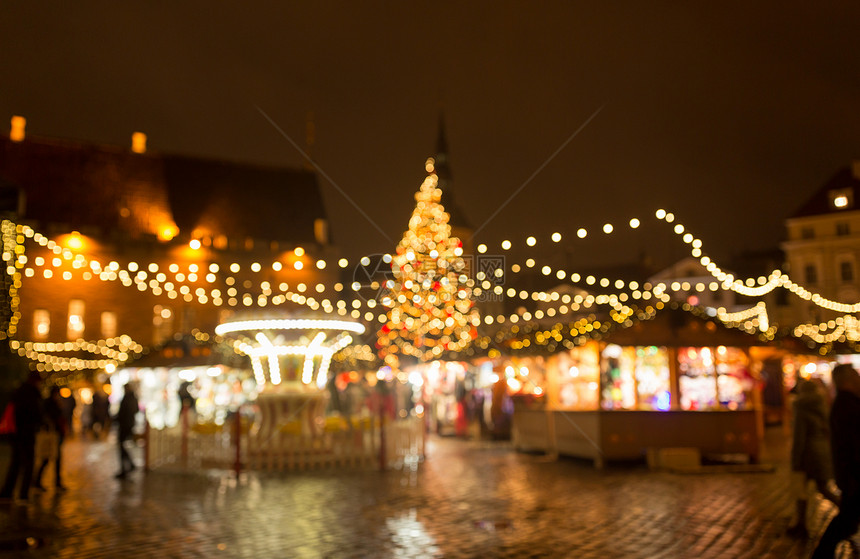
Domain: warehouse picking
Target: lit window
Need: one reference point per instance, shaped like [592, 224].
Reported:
[75, 325]
[41, 324]
[841, 199]
[108, 324]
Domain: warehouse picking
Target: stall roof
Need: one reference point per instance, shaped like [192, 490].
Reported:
[676, 327]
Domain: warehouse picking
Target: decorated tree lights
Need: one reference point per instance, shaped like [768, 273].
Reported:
[429, 300]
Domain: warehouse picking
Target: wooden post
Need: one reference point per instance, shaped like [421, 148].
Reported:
[147, 441]
[425, 429]
[382, 451]
[716, 377]
[757, 403]
[674, 383]
[237, 431]
[551, 437]
[184, 445]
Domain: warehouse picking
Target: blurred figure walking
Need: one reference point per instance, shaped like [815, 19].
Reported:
[126, 418]
[810, 450]
[56, 423]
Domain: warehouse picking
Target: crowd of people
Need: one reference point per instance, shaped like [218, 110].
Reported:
[37, 427]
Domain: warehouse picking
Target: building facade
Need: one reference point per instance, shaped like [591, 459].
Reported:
[116, 245]
[822, 248]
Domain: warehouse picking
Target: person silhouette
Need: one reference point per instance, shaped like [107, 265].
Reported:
[845, 441]
[810, 450]
[126, 418]
[57, 423]
[28, 419]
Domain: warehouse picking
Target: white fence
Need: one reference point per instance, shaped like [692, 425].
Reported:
[337, 443]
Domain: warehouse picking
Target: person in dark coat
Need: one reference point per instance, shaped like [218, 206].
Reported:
[810, 449]
[56, 422]
[28, 418]
[126, 418]
[844, 419]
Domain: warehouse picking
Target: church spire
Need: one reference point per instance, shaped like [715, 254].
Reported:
[441, 139]
[443, 173]
[441, 157]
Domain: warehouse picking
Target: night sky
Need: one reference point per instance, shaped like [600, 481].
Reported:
[729, 116]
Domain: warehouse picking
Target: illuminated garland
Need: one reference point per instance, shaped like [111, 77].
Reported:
[750, 287]
[842, 329]
[188, 284]
[114, 351]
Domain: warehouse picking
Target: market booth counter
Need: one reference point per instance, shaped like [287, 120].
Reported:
[677, 381]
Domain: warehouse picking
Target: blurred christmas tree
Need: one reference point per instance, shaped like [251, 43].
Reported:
[430, 307]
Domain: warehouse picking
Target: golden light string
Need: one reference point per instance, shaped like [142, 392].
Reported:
[159, 283]
[775, 279]
[842, 328]
[112, 272]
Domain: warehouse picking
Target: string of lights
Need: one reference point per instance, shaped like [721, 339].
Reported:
[177, 285]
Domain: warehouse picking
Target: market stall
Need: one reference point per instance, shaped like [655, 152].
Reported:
[677, 380]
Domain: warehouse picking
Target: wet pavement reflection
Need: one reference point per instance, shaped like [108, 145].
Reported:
[468, 499]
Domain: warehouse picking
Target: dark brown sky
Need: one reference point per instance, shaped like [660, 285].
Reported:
[728, 115]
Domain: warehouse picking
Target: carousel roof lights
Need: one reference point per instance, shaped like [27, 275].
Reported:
[289, 324]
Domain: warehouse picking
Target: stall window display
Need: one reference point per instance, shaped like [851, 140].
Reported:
[696, 378]
[734, 382]
[635, 378]
[617, 378]
[579, 377]
[714, 378]
[652, 378]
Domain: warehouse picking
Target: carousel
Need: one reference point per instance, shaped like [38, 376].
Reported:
[290, 358]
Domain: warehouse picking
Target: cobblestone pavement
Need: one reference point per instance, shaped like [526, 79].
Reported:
[468, 499]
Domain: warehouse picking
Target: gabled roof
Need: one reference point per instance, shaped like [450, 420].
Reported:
[819, 204]
[105, 189]
[243, 200]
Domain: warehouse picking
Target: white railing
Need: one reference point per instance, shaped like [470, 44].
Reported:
[362, 442]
